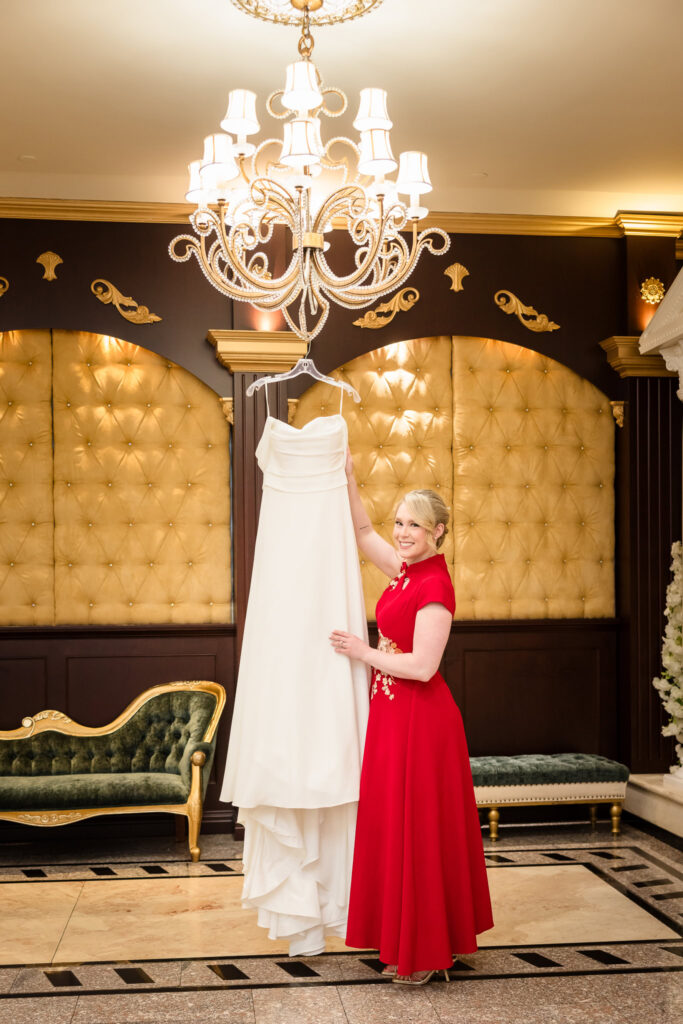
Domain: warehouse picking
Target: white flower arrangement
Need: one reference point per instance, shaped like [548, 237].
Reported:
[670, 684]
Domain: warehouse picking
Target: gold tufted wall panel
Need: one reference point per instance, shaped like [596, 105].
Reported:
[26, 519]
[141, 487]
[533, 507]
[401, 432]
[521, 448]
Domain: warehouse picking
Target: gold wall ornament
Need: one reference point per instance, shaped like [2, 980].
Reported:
[49, 261]
[618, 413]
[107, 293]
[526, 315]
[456, 272]
[228, 407]
[652, 290]
[386, 311]
[4, 286]
[292, 405]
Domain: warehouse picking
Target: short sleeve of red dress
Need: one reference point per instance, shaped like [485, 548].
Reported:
[436, 588]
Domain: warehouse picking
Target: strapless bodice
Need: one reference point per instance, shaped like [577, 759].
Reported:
[311, 458]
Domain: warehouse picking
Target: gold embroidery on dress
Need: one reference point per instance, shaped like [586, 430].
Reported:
[382, 679]
[401, 576]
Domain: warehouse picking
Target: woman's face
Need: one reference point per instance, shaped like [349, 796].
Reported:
[410, 539]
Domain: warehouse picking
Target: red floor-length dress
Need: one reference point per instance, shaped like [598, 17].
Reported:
[419, 892]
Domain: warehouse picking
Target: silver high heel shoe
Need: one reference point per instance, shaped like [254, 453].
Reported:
[399, 979]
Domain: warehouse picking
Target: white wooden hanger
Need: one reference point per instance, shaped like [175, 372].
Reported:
[305, 365]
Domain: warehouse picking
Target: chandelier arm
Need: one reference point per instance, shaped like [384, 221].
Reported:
[358, 295]
[232, 243]
[240, 283]
[330, 163]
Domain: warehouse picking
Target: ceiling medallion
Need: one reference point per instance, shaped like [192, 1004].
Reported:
[288, 12]
[281, 198]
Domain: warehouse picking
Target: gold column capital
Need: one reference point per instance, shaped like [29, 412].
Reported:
[623, 355]
[636, 222]
[257, 351]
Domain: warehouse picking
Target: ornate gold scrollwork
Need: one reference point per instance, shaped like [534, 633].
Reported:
[53, 716]
[56, 818]
[4, 285]
[106, 292]
[526, 315]
[49, 261]
[386, 311]
[618, 412]
[227, 406]
[456, 272]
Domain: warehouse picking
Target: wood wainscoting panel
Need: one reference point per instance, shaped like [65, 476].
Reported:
[23, 688]
[529, 688]
[92, 674]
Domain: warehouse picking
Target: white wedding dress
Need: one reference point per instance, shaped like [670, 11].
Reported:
[296, 742]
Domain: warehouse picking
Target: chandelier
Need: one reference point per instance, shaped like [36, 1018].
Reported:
[246, 192]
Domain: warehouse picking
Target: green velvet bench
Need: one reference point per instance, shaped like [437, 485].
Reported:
[526, 780]
[156, 756]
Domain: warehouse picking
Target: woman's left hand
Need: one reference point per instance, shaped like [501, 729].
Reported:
[348, 644]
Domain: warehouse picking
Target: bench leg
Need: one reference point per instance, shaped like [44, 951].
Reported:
[594, 815]
[494, 815]
[615, 815]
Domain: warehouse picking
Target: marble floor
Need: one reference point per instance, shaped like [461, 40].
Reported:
[589, 930]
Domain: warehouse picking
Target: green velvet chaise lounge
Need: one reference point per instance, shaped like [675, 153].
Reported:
[526, 779]
[156, 756]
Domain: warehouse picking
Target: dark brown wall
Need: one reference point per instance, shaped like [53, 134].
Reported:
[522, 686]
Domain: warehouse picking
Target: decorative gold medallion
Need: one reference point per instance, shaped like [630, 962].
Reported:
[652, 290]
[386, 311]
[49, 261]
[526, 315]
[4, 285]
[106, 292]
[456, 272]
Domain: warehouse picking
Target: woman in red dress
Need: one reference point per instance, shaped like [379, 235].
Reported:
[419, 892]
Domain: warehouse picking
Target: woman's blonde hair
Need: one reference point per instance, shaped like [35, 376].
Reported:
[428, 510]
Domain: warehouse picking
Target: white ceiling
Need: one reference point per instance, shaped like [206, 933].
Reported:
[566, 107]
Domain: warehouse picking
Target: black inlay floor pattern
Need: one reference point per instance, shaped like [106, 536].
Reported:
[297, 969]
[134, 976]
[249, 971]
[62, 979]
[602, 956]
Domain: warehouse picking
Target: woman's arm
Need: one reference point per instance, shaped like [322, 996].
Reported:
[374, 547]
[432, 629]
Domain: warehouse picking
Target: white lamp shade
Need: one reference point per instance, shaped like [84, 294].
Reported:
[240, 118]
[218, 166]
[372, 112]
[413, 174]
[302, 87]
[195, 193]
[301, 146]
[376, 157]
